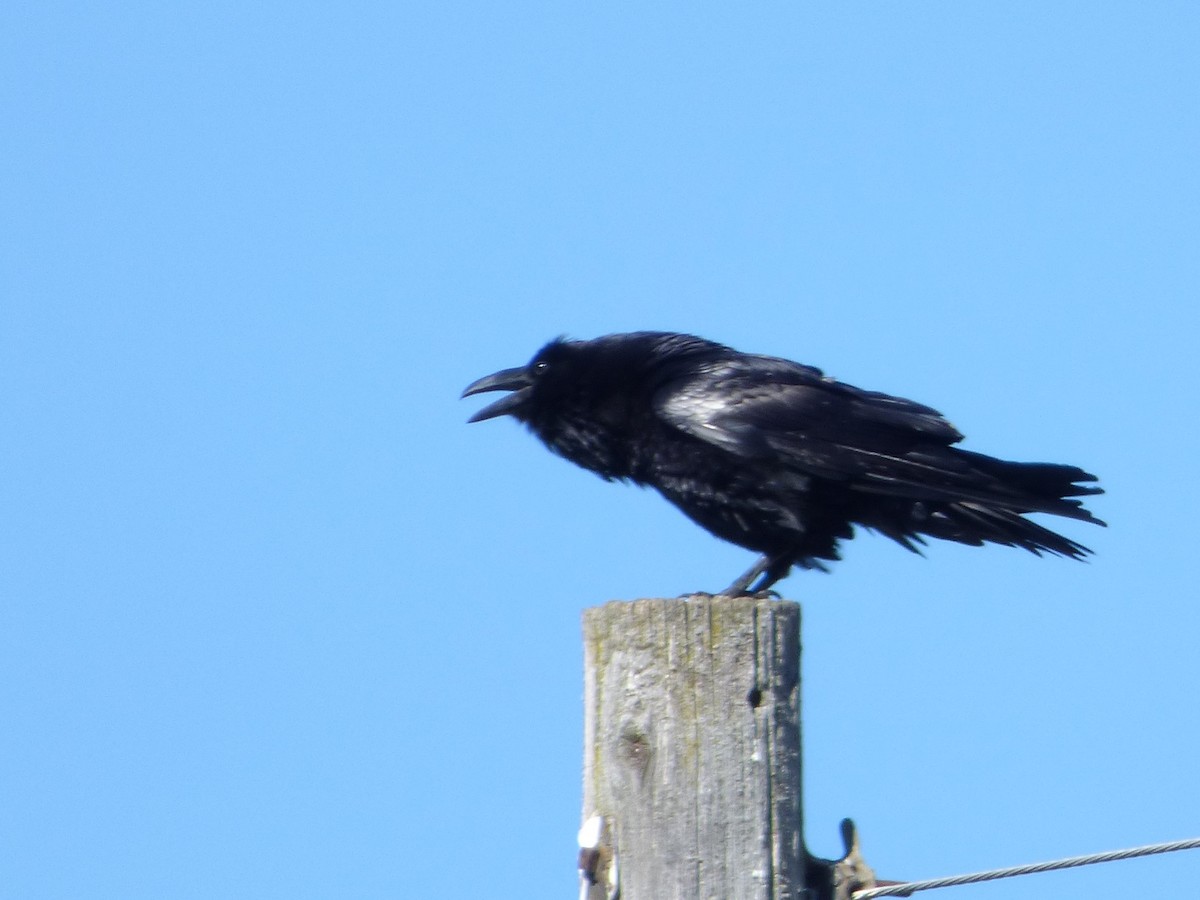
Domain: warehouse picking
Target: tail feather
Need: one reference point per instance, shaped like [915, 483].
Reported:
[976, 524]
[1047, 485]
[944, 477]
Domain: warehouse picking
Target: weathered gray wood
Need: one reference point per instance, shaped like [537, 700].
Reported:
[692, 746]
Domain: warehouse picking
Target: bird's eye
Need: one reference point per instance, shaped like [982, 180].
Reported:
[539, 368]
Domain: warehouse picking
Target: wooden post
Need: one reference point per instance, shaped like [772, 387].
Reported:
[692, 747]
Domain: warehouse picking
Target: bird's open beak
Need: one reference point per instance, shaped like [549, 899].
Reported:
[515, 380]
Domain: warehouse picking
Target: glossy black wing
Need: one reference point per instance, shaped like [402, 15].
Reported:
[780, 412]
[761, 407]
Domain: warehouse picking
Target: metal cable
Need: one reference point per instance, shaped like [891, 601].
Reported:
[911, 887]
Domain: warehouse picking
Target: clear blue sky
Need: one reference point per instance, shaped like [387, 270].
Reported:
[276, 623]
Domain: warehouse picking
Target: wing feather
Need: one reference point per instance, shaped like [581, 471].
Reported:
[760, 406]
[764, 408]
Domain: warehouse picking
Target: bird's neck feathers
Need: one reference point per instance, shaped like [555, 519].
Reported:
[594, 426]
[596, 405]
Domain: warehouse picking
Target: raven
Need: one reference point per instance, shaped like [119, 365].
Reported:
[775, 456]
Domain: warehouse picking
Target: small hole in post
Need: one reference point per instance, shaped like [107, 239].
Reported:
[754, 698]
[634, 747]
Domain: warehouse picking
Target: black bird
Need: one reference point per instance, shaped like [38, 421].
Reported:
[775, 456]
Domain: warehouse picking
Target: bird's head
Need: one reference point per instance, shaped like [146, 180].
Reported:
[587, 400]
[536, 388]
[561, 395]
[575, 374]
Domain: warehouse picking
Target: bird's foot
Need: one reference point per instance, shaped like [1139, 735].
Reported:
[765, 594]
[727, 595]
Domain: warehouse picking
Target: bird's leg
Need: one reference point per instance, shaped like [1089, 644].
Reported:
[740, 587]
[768, 570]
[777, 567]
